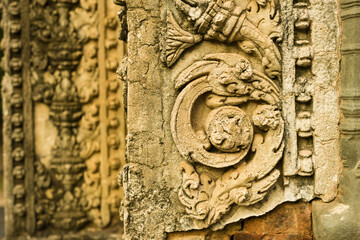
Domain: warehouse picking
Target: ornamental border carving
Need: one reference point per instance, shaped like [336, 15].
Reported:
[18, 146]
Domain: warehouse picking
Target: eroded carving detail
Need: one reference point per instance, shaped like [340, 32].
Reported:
[60, 82]
[14, 94]
[227, 114]
[224, 21]
[231, 111]
[304, 88]
[57, 89]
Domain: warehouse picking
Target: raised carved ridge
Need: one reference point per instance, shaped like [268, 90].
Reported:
[17, 119]
[350, 9]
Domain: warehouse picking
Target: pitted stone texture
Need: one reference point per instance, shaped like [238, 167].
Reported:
[290, 221]
[190, 169]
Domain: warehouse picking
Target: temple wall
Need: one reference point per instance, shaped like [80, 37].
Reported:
[232, 111]
[181, 120]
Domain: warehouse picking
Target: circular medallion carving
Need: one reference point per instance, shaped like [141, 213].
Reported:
[215, 115]
[229, 129]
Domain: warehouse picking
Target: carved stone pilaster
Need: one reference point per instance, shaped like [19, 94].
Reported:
[63, 119]
[350, 50]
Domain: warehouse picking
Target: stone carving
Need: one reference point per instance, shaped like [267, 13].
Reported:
[232, 108]
[227, 22]
[229, 113]
[227, 121]
[61, 58]
[16, 119]
[304, 86]
[247, 114]
[63, 99]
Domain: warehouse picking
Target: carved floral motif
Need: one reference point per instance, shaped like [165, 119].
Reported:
[53, 32]
[228, 113]
[226, 22]
[68, 76]
[59, 56]
[242, 127]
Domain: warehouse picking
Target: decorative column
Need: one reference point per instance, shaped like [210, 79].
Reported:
[64, 131]
[64, 52]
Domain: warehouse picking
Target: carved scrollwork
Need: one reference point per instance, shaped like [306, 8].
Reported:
[217, 86]
[227, 22]
[227, 115]
[226, 121]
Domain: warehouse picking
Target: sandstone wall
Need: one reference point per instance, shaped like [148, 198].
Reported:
[227, 119]
[232, 110]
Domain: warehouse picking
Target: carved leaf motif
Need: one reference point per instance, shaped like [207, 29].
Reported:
[177, 40]
[226, 22]
[39, 60]
[89, 133]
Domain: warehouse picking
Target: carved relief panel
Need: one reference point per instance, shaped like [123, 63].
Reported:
[63, 105]
[245, 111]
[229, 113]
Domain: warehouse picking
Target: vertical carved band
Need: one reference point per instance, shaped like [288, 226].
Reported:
[18, 119]
[298, 157]
[60, 82]
[309, 84]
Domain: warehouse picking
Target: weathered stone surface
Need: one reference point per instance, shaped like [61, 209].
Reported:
[340, 219]
[63, 125]
[287, 221]
[232, 110]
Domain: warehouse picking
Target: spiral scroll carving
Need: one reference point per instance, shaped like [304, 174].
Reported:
[227, 121]
[228, 115]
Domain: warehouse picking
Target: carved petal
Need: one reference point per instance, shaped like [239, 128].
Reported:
[177, 40]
